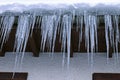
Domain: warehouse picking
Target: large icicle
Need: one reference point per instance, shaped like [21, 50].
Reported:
[93, 33]
[56, 25]
[87, 27]
[109, 33]
[93, 36]
[63, 39]
[6, 25]
[79, 21]
[96, 23]
[117, 36]
[68, 27]
[66, 35]
[90, 35]
[21, 38]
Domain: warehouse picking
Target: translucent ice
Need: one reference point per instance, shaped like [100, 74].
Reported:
[6, 24]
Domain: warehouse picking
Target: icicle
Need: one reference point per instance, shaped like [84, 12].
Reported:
[21, 38]
[116, 21]
[93, 36]
[63, 38]
[66, 35]
[68, 28]
[25, 43]
[108, 33]
[50, 26]
[86, 22]
[96, 32]
[90, 36]
[32, 23]
[43, 32]
[106, 36]
[56, 25]
[80, 31]
[111, 31]
[6, 26]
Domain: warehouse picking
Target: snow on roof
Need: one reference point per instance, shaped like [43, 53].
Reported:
[100, 6]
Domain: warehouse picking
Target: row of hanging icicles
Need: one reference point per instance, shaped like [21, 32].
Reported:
[51, 24]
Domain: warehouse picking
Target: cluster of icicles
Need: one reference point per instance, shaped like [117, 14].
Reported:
[60, 20]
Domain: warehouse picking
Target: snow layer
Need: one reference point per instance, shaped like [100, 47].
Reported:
[90, 6]
[31, 2]
[47, 68]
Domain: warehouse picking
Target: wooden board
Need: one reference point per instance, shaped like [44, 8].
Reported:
[17, 76]
[106, 76]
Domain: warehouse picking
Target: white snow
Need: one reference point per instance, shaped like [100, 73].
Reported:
[31, 2]
[45, 68]
[20, 5]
